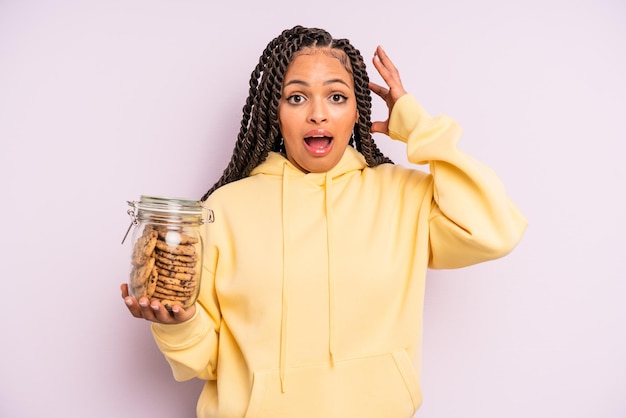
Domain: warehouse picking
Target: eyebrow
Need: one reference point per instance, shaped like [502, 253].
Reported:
[327, 82]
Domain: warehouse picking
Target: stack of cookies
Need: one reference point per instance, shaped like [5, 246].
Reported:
[165, 267]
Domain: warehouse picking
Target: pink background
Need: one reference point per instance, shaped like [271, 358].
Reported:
[103, 101]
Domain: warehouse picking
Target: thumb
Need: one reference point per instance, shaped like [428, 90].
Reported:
[380, 127]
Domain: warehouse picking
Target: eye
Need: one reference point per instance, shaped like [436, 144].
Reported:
[338, 98]
[295, 99]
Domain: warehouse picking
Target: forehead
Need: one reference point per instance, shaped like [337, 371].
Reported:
[319, 65]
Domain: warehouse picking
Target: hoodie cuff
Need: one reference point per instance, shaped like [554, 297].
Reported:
[178, 336]
[406, 115]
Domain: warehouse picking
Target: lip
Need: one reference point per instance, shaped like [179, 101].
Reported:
[317, 150]
[318, 132]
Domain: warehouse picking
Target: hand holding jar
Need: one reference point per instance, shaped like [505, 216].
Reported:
[166, 259]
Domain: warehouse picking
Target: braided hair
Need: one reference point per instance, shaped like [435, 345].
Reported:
[260, 133]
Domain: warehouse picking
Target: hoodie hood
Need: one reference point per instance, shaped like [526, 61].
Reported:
[274, 165]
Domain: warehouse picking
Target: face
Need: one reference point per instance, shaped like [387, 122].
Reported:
[317, 111]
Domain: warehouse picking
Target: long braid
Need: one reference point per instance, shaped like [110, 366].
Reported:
[259, 132]
[363, 140]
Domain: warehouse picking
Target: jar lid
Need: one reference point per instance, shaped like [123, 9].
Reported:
[168, 210]
[170, 205]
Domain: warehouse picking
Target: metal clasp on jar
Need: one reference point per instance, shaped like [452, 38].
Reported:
[133, 218]
[210, 215]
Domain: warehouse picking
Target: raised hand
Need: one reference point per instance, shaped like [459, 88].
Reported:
[394, 89]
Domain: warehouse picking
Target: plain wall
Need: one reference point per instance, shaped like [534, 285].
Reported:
[102, 101]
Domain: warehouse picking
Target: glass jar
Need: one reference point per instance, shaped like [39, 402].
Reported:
[166, 257]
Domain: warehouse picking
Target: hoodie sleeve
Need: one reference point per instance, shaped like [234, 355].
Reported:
[471, 218]
[191, 347]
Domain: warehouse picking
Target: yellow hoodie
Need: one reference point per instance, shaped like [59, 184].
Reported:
[313, 284]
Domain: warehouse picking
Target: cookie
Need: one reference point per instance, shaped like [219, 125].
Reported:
[176, 288]
[138, 291]
[174, 282]
[161, 296]
[169, 304]
[140, 273]
[185, 250]
[174, 275]
[162, 291]
[174, 261]
[152, 283]
[144, 247]
[175, 268]
[176, 257]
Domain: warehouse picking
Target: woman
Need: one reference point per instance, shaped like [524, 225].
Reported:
[314, 270]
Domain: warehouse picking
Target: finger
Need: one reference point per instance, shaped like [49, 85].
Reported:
[385, 60]
[160, 313]
[378, 90]
[130, 302]
[124, 289]
[388, 71]
[380, 127]
[133, 306]
[384, 66]
[380, 67]
[147, 312]
[174, 316]
[182, 315]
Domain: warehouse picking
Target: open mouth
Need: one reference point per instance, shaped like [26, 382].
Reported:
[318, 141]
[318, 144]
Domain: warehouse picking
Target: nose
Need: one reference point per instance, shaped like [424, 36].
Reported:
[318, 112]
